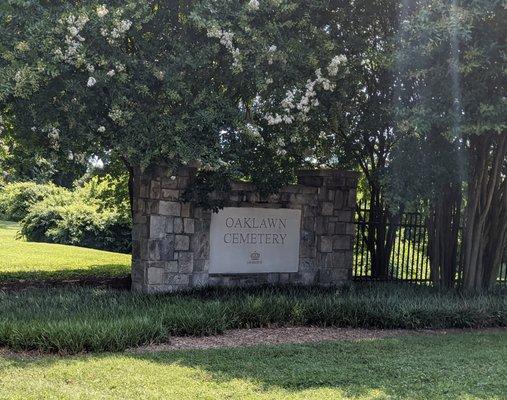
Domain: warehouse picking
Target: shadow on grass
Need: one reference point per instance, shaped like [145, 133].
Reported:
[89, 273]
[408, 367]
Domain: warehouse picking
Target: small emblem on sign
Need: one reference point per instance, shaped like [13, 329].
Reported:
[255, 258]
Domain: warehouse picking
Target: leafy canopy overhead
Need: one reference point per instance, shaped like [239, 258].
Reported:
[171, 81]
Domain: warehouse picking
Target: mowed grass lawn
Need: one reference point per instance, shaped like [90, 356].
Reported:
[453, 366]
[41, 261]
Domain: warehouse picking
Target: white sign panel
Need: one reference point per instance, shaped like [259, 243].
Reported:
[254, 240]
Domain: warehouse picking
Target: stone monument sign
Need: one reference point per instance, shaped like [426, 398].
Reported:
[254, 240]
[301, 234]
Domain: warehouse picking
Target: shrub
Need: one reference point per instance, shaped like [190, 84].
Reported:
[78, 222]
[17, 198]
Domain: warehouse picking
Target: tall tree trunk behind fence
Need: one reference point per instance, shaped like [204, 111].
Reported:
[485, 234]
[443, 230]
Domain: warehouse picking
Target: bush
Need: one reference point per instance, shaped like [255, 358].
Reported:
[75, 320]
[17, 198]
[78, 223]
[95, 215]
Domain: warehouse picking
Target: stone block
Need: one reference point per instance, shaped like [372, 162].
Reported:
[308, 223]
[326, 244]
[320, 225]
[310, 210]
[171, 266]
[283, 278]
[155, 276]
[199, 280]
[182, 242]
[336, 259]
[322, 194]
[185, 262]
[161, 249]
[339, 199]
[169, 183]
[306, 264]
[178, 225]
[139, 231]
[183, 182]
[138, 270]
[308, 278]
[169, 224]
[351, 198]
[343, 216]
[178, 279]
[273, 278]
[144, 189]
[340, 228]
[144, 252]
[157, 227]
[327, 208]
[350, 229]
[201, 265]
[314, 181]
[334, 182]
[170, 194]
[185, 210]
[155, 189]
[307, 244]
[152, 206]
[139, 205]
[332, 275]
[342, 242]
[253, 197]
[188, 225]
[200, 244]
[169, 208]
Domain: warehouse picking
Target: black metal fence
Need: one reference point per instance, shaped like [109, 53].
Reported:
[409, 259]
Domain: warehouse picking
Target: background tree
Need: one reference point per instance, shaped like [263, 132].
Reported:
[358, 132]
[453, 54]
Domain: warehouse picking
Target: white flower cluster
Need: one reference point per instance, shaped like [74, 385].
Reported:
[253, 5]
[120, 28]
[271, 53]
[102, 11]
[226, 40]
[309, 96]
[53, 134]
[120, 117]
[101, 129]
[73, 38]
[91, 81]
[332, 68]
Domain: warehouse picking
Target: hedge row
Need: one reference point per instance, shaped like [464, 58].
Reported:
[75, 320]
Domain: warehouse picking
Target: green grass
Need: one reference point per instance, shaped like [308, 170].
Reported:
[86, 319]
[454, 366]
[42, 261]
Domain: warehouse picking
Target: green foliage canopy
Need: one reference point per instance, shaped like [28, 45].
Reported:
[171, 81]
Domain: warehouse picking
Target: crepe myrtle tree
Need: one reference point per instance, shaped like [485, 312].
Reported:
[453, 104]
[167, 82]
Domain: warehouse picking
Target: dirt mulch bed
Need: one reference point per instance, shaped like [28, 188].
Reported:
[264, 336]
[290, 335]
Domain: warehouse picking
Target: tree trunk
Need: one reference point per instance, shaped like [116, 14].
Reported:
[382, 230]
[485, 235]
[443, 229]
